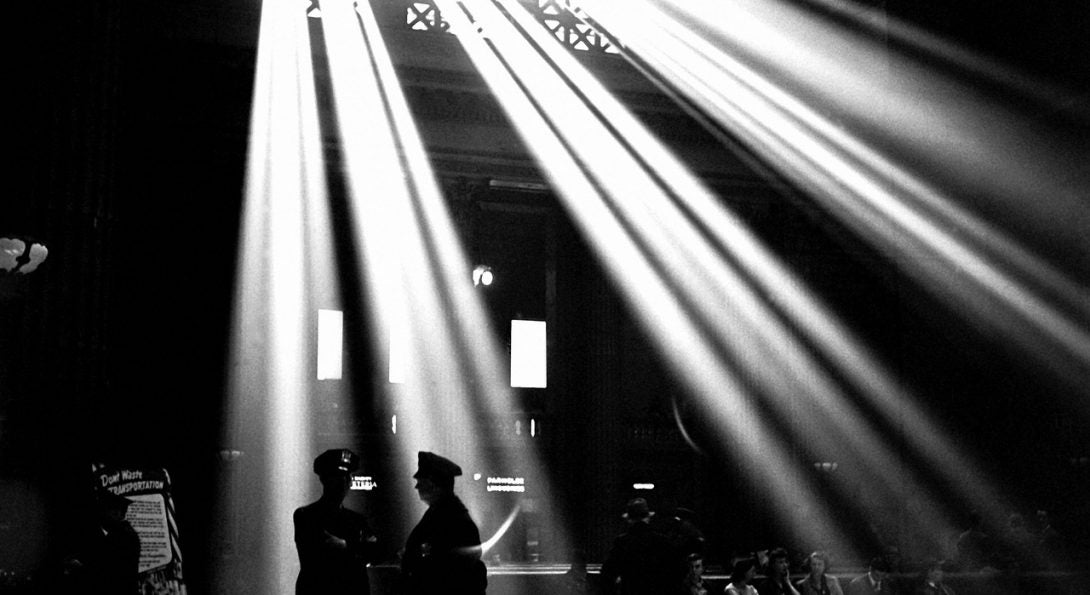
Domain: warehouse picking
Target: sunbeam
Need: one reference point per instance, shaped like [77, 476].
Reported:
[923, 178]
[737, 317]
[417, 275]
[284, 251]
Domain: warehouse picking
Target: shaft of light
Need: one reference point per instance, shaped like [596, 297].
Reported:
[282, 254]
[941, 243]
[992, 279]
[417, 273]
[524, 86]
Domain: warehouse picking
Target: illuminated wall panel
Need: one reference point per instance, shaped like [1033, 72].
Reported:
[528, 353]
[330, 344]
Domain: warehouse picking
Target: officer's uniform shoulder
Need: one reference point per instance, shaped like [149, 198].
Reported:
[307, 510]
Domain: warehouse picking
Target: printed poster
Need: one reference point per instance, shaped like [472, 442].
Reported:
[151, 514]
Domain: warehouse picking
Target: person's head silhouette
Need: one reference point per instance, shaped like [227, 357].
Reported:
[334, 468]
[435, 477]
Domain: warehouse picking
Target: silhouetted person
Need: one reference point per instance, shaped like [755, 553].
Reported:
[1018, 545]
[974, 545]
[443, 553]
[741, 577]
[817, 582]
[574, 580]
[641, 560]
[899, 581]
[875, 581]
[778, 579]
[694, 579]
[1049, 542]
[108, 558]
[682, 531]
[335, 544]
[932, 580]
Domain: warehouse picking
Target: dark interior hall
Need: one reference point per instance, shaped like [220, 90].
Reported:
[128, 160]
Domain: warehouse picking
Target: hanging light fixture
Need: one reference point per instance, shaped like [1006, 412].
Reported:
[21, 255]
[482, 275]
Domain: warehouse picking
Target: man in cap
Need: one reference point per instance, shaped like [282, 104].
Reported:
[443, 553]
[641, 561]
[335, 544]
[682, 531]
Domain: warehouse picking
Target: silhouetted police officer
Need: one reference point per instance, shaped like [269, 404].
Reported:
[335, 544]
[641, 561]
[443, 553]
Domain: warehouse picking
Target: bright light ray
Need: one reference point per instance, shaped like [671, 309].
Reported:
[879, 22]
[370, 157]
[867, 375]
[942, 244]
[284, 278]
[891, 190]
[681, 326]
[933, 117]
[415, 268]
[832, 338]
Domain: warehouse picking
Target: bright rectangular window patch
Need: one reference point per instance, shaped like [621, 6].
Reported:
[330, 344]
[528, 353]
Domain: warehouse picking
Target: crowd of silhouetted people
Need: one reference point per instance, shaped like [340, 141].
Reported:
[653, 555]
[670, 558]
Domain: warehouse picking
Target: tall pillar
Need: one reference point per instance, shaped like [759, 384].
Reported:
[64, 184]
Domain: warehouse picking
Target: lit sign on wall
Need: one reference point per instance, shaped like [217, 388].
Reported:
[506, 484]
[363, 482]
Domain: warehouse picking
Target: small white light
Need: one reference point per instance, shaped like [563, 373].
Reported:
[482, 275]
[643, 486]
[393, 424]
